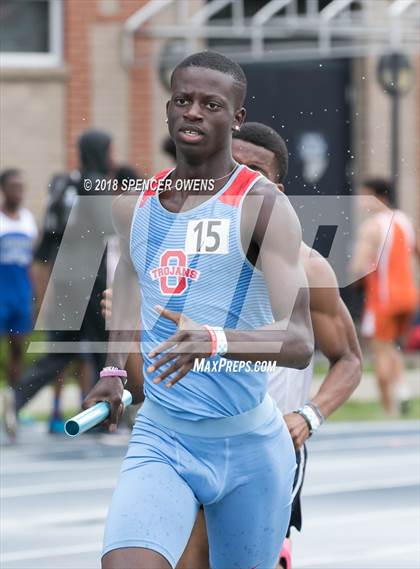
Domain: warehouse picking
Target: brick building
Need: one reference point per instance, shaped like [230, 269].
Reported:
[48, 98]
[63, 69]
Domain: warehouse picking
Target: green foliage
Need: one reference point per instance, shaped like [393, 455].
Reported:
[371, 411]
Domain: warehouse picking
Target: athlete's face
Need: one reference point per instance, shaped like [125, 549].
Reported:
[203, 110]
[258, 158]
[13, 191]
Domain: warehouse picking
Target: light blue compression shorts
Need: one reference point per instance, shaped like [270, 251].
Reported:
[239, 468]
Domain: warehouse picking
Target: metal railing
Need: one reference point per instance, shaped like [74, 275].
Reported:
[278, 30]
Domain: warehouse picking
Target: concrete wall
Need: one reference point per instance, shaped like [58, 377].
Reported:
[32, 129]
[373, 133]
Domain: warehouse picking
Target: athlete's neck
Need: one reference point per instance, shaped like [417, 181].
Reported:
[12, 212]
[217, 168]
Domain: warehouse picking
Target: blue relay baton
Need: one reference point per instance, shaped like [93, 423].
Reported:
[93, 416]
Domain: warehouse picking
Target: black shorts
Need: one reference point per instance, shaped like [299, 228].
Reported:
[296, 515]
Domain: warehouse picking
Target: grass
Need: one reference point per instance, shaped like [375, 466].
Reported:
[370, 411]
[321, 364]
[44, 417]
[28, 358]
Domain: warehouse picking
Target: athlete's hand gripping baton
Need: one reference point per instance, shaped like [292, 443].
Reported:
[93, 416]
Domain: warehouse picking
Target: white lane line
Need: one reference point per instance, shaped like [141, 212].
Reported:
[326, 464]
[11, 525]
[339, 559]
[357, 486]
[381, 444]
[394, 514]
[370, 427]
[47, 552]
[58, 488]
[57, 466]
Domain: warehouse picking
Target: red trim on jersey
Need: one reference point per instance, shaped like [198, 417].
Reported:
[240, 185]
[151, 191]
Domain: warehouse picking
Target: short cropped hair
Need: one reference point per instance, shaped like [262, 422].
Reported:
[265, 136]
[8, 173]
[381, 187]
[218, 62]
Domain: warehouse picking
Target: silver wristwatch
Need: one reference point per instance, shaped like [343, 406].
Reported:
[312, 418]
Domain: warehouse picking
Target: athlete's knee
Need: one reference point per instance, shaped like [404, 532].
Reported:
[384, 378]
[134, 558]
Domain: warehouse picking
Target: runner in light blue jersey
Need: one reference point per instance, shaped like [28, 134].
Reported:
[223, 266]
[204, 245]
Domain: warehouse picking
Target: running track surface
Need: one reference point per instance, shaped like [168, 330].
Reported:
[361, 498]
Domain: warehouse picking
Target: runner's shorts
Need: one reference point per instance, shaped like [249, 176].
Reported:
[240, 468]
[385, 327]
[15, 316]
[296, 515]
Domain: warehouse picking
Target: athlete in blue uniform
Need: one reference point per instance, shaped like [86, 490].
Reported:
[224, 262]
[18, 233]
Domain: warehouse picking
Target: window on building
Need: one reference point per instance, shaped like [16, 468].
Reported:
[31, 32]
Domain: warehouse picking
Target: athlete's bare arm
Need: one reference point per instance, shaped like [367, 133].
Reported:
[271, 227]
[335, 335]
[134, 364]
[366, 250]
[124, 317]
[276, 234]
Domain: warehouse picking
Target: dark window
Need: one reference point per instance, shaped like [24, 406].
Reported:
[24, 26]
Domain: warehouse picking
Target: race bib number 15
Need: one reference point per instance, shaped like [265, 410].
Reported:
[207, 236]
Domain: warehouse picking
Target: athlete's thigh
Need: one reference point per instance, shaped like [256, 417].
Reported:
[246, 528]
[17, 344]
[196, 554]
[5, 317]
[152, 506]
